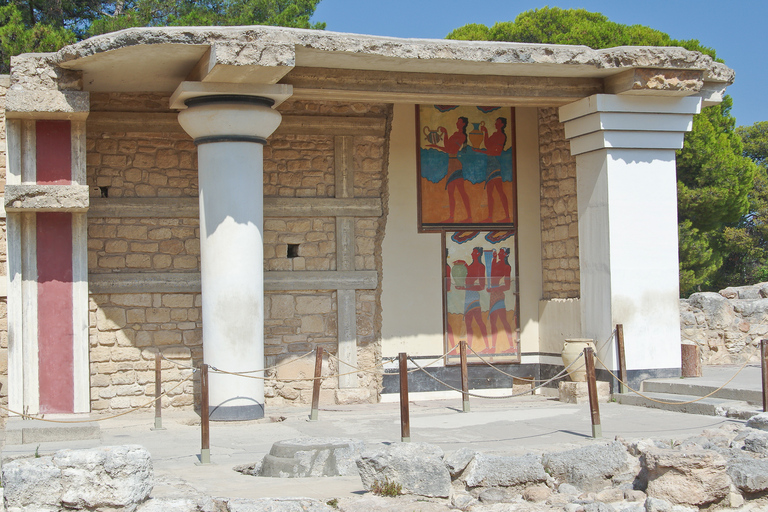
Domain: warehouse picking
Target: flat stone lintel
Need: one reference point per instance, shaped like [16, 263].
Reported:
[46, 198]
[658, 82]
[187, 207]
[37, 104]
[189, 282]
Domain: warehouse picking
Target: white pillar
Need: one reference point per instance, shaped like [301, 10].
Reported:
[627, 200]
[230, 131]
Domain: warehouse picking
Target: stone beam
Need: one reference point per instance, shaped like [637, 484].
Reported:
[189, 282]
[658, 82]
[46, 198]
[41, 104]
[187, 207]
[399, 87]
[120, 122]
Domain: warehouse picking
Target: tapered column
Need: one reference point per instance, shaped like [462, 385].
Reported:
[230, 131]
[627, 200]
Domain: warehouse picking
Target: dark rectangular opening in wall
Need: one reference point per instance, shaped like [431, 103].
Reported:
[293, 250]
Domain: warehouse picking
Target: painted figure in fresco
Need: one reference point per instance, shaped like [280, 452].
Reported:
[473, 285]
[455, 177]
[494, 146]
[501, 281]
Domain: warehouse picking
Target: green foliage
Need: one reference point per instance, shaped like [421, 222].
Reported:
[552, 25]
[17, 38]
[135, 13]
[47, 25]
[746, 242]
[715, 180]
[386, 488]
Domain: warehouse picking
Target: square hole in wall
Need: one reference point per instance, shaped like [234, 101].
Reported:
[293, 251]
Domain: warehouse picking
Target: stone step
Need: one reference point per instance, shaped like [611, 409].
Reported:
[710, 406]
[19, 431]
[691, 387]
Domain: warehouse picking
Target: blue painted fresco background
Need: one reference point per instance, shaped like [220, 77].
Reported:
[434, 164]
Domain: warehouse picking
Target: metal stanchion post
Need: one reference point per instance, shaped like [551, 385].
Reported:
[205, 446]
[594, 408]
[464, 377]
[405, 419]
[622, 357]
[316, 384]
[158, 392]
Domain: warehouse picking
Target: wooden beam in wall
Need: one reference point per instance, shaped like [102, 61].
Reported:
[189, 282]
[187, 207]
[399, 87]
[148, 122]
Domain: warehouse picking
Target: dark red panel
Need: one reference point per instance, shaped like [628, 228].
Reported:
[54, 312]
[54, 152]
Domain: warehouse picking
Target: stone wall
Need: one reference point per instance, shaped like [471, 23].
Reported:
[559, 210]
[727, 326]
[128, 329]
[4, 84]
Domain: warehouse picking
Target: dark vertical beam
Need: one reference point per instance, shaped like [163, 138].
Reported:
[316, 384]
[594, 408]
[464, 377]
[622, 357]
[405, 419]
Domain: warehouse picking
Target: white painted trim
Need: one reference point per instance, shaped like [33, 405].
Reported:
[628, 103]
[81, 367]
[78, 152]
[29, 152]
[633, 122]
[626, 140]
[30, 357]
[13, 141]
[15, 314]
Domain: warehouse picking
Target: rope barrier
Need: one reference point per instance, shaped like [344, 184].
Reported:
[674, 403]
[303, 379]
[560, 375]
[269, 368]
[132, 409]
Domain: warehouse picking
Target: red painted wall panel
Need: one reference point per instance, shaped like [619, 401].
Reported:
[54, 312]
[54, 152]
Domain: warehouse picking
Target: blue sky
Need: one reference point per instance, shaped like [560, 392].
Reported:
[735, 30]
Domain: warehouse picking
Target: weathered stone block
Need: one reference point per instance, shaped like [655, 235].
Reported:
[691, 477]
[578, 392]
[418, 467]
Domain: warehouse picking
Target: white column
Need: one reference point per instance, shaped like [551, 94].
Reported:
[627, 200]
[230, 131]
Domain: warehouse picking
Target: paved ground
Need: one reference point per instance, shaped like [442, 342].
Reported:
[509, 426]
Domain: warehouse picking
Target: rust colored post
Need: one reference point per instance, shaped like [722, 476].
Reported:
[464, 377]
[405, 418]
[691, 362]
[764, 364]
[316, 384]
[622, 357]
[158, 392]
[594, 408]
[205, 446]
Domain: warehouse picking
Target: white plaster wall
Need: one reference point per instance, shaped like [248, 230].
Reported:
[559, 319]
[411, 295]
[644, 255]
[411, 286]
[529, 228]
[628, 246]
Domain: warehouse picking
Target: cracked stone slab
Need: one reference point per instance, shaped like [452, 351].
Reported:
[41, 198]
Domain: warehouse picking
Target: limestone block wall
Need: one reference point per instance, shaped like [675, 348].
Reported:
[559, 210]
[137, 152]
[4, 84]
[727, 326]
